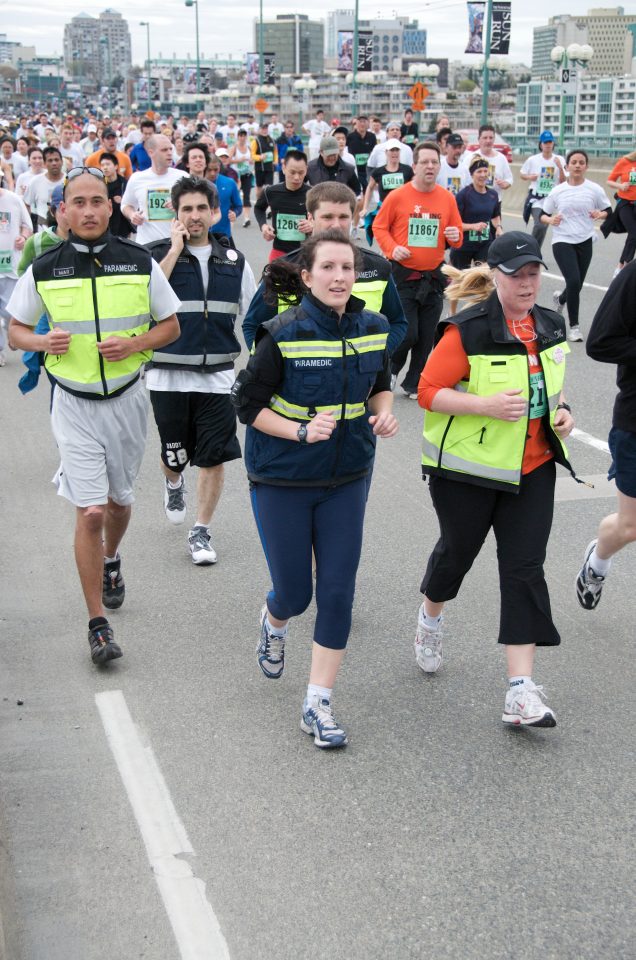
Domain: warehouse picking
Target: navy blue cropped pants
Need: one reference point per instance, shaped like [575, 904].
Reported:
[293, 520]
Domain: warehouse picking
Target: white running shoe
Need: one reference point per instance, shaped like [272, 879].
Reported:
[428, 646]
[575, 335]
[200, 547]
[525, 707]
[393, 381]
[558, 306]
[589, 585]
[3, 359]
[174, 502]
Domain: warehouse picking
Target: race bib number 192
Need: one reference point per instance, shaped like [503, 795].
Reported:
[157, 205]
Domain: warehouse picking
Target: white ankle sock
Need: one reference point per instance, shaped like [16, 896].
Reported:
[518, 683]
[599, 566]
[427, 620]
[200, 523]
[175, 486]
[276, 631]
[322, 693]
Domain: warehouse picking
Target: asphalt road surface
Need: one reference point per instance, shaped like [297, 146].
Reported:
[169, 807]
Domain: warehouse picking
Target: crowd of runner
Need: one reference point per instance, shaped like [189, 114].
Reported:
[121, 234]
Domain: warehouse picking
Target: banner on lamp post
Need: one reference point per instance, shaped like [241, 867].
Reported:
[476, 15]
[365, 51]
[500, 33]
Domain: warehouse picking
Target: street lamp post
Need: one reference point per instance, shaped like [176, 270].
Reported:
[486, 77]
[261, 54]
[195, 4]
[305, 87]
[105, 42]
[575, 55]
[354, 65]
[145, 23]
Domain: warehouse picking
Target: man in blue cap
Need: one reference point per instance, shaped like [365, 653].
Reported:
[544, 170]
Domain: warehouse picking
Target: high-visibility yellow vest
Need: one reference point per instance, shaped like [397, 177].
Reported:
[95, 293]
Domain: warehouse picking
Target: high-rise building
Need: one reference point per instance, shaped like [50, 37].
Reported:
[606, 30]
[98, 48]
[296, 42]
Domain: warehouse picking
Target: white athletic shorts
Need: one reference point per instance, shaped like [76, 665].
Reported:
[6, 289]
[101, 444]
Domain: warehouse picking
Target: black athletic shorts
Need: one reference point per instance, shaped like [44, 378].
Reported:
[199, 428]
[264, 178]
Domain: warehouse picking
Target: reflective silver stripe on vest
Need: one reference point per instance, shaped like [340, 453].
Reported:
[214, 306]
[106, 325]
[113, 383]
[452, 462]
[194, 360]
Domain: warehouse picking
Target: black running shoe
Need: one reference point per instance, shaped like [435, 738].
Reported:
[114, 588]
[102, 643]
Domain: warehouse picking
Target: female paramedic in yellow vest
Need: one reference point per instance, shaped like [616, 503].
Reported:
[315, 395]
[493, 430]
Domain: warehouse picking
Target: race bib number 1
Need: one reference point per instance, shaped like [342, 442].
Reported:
[423, 232]
[157, 209]
[6, 261]
[478, 236]
[538, 398]
[287, 226]
[392, 180]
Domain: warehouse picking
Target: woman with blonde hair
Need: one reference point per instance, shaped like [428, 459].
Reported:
[494, 427]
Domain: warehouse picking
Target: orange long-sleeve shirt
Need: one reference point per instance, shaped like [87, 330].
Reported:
[625, 171]
[417, 219]
[448, 364]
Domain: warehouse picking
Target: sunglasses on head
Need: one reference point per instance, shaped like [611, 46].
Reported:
[78, 171]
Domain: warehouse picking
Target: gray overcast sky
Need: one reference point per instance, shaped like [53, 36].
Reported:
[229, 29]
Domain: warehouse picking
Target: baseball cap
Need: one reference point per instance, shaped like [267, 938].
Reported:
[91, 128]
[329, 146]
[454, 140]
[392, 144]
[546, 137]
[512, 251]
[108, 132]
[57, 196]
[222, 152]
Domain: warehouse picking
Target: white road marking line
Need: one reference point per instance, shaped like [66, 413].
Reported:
[592, 286]
[590, 440]
[194, 923]
[568, 489]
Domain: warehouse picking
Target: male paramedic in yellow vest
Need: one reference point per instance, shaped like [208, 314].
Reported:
[99, 294]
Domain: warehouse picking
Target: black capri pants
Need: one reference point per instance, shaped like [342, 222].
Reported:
[521, 523]
[246, 188]
[573, 260]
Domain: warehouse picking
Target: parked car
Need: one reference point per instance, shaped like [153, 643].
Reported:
[471, 139]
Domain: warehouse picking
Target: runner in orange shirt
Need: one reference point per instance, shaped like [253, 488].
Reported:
[413, 228]
[623, 180]
[109, 145]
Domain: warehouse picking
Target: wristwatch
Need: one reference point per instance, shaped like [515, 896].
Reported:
[564, 406]
[302, 433]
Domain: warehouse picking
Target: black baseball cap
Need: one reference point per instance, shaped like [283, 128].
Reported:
[454, 140]
[512, 251]
[108, 132]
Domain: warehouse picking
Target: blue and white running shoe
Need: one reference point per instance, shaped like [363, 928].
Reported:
[318, 720]
[270, 650]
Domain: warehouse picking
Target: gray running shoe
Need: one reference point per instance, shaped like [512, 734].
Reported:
[428, 646]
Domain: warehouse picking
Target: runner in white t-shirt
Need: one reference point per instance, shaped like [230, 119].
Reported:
[499, 172]
[544, 171]
[15, 227]
[572, 209]
[453, 174]
[146, 200]
[317, 129]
